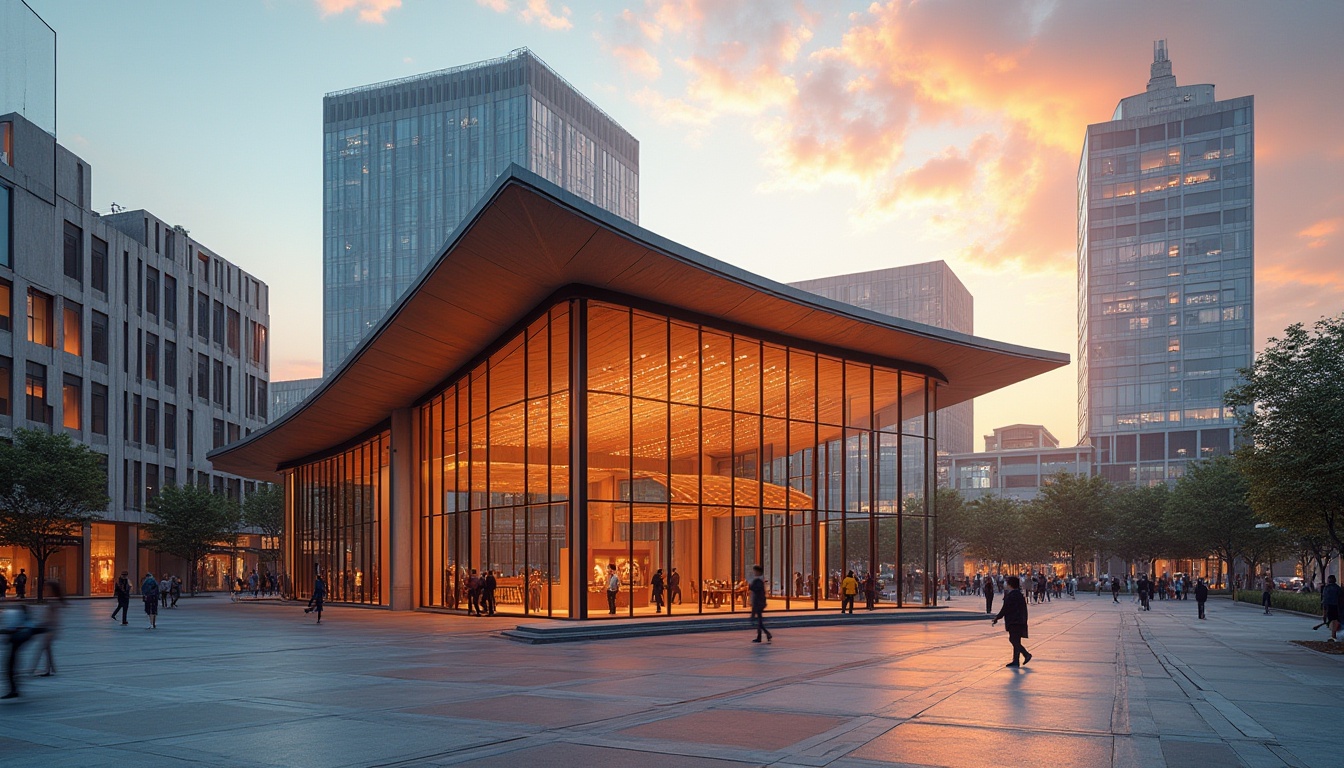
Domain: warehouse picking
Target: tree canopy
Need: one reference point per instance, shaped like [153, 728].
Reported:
[186, 521]
[1291, 410]
[264, 509]
[1208, 511]
[1135, 523]
[1069, 515]
[50, 488]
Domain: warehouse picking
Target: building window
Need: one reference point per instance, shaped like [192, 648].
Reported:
[219, 382]
[98, 327]
[6, 377]
[98, 265]
[202, 316]
[35, 387]
[151, 357]
[217, 322]
[5, 218]
[169, 427]
[72, 401]
[169, 364]
[202, 377]
[7, 142]
[39, 318]
[232, 340]
[6, 306]
[73, 328]
[152, 291]
[217, 436]
[151, 422]
[170, 300]
[137, 418]
[98, 409]
[191, 437]
[74, 251]
[259, 356]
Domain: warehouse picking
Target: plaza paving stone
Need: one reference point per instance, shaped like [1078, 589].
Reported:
[259, 685]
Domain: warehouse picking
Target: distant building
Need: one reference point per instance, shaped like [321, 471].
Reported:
[927, 293]
[1165, 276]
[124, 333]
[1017, 462]
[404, 161]
[287, 394]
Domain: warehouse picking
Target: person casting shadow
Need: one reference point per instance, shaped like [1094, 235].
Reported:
[1014, 615]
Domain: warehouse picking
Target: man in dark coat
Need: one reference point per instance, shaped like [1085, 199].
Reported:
[757, 589]
[673, 588]
[319, 597]
[488, 585]
[21, 585]
[657, 586]
[1332, 605]
[122, 591]
[474, 594]
[1115, 589]
[1201, 596]
[1014, 615]
[988, 587]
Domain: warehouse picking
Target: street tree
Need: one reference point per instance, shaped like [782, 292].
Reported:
[1134, 527]
[264, 510]
[187, 521]
[1208, 512]
[1291, 410]
[50, 488]
[997, 530]
[1069, 515]
[951, 527]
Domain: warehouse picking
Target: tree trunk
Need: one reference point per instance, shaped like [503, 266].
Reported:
[41, 558]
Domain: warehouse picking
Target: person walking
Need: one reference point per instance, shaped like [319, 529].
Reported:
[21, 585]
[673, 588]
[149, 592]
[987, 586]
[318, 598]
[1115, 589]
[4, 586]
[174, 591]
[613, 588]
[122, 591]
[848, 589]
[51, 623]
[1266, 594]
[657, 586]
[1201, 596]
[488, 585]
[474, 594]
[1332, 606]
[17, 626]
[165, 584]
[1014, 615]
[757, 590]
[869, 590]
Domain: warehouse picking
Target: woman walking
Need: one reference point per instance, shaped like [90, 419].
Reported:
[52, 623]
[149, 592]
[319, 595]
[1014, 615]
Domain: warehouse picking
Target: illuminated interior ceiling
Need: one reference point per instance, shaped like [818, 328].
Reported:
[527, 241]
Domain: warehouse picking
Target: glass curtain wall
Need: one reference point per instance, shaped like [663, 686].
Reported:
[340, 523]
[706, 452]
[494, 476]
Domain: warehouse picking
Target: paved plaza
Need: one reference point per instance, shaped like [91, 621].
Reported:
[260, 685]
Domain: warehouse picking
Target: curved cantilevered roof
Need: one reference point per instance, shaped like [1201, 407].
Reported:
[526, 240]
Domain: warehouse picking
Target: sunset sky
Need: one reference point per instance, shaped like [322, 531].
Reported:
[793, 139]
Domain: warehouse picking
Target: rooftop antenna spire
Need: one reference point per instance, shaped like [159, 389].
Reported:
[1161, 76]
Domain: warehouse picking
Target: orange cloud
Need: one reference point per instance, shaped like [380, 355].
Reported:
[370, 11]
[540, 12]
[638, 61]
[1318, 234]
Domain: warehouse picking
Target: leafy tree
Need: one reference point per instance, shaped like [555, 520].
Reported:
[1136, 532]
[1208, 511]
[50, 488]
[997, 530]
[1291, 410]
[188, 521]
[951, 527]
[1069, 515]
[1266, 546]
[264, 509]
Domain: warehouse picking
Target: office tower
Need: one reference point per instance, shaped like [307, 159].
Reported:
[129, 336]
[927, 293]
[405, 161]
[1165, 264]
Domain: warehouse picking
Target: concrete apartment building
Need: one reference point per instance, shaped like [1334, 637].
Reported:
[1017, 461]
[1165, 276]
[929, 293]
[128, 335]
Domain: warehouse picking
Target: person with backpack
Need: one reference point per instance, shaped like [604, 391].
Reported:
[848, 589]
[149, 592]
[122, 591]
[1201, 596]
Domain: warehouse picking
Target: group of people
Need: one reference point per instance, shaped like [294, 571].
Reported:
[258, 584]
[481, 593]
[20, 585]
[20, 625]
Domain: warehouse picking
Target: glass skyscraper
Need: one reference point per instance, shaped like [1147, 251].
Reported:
[927, 293]
[1165, 268]
[405, 161]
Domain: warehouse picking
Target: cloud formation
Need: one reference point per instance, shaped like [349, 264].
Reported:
[369, 11]
[534, 12]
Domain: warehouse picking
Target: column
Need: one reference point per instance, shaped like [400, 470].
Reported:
[399, 566]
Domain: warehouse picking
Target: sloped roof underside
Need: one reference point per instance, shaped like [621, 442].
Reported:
[526, 240]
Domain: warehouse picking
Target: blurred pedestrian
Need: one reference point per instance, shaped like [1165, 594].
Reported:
[673, 588]
[174, 591]
[1332, 606]
[1201, 596]
[988, 587]
[17, 626]
[51, 623]
[757, 589]
[319, 597]
[149, 592]
[1266, 594]
[1115, 589]
[165, 585]
[1014, 615]
[21, 585]
[122, 591]
[657, 586]
[4, 586]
